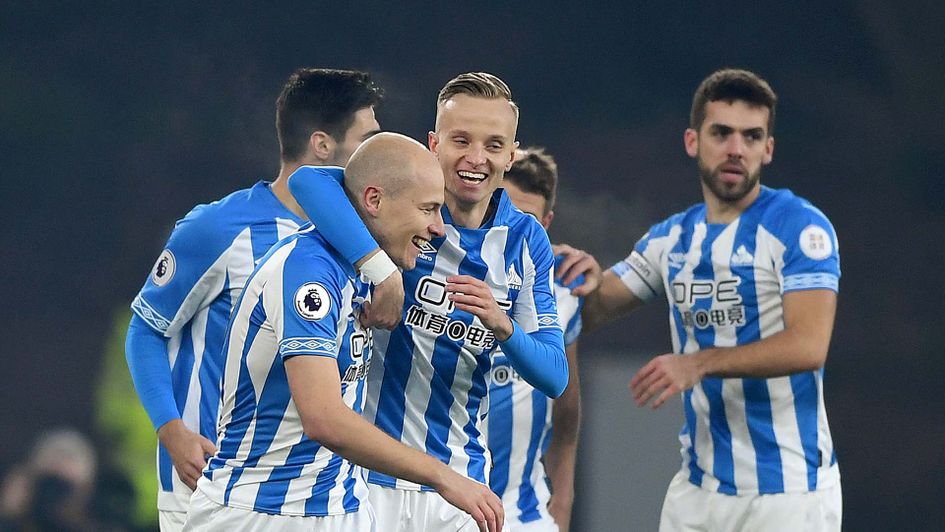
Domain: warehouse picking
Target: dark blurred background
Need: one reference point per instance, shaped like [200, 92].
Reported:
[117, 118]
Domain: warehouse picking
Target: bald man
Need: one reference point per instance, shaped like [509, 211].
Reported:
[292, 440]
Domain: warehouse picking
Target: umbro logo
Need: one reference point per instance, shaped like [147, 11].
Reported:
[742, 257]
[513, 279]
[426, 250]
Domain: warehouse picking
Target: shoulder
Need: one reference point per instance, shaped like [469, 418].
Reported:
[221, 219]
[683, 219]
[312, 258]
[787, 216]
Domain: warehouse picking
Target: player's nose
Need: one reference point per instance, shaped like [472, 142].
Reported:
[437, 229]
[735, 146]
[476, 154]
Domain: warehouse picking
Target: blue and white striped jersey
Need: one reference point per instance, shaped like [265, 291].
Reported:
[428, 385]
[519, 424]
[188, 298]
[301, 300]
[724, 284]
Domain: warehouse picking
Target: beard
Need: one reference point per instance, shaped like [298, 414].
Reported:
[726, 192]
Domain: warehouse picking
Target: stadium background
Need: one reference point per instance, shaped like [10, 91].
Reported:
[116, 118]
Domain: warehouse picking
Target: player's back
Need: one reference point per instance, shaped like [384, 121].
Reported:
[429, 378]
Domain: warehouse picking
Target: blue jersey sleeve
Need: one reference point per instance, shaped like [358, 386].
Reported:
[539, 358]
[312, 306]
[146, 353]
[811, 257]
[188, 274]
[536, 347]
[319, 191]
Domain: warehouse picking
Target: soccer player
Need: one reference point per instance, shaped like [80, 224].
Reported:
[521, 440]
[486, 283]
[296, 357]
[175, 337]
[751, 276]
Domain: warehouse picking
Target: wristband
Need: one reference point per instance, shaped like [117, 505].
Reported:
[378, 268]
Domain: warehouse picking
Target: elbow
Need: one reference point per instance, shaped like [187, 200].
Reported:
[323, 431]
[815, 358]
[559, 384]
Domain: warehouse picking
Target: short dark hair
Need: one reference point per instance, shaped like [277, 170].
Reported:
[535, 172]
[479, 85]
[729, 85]
[320, 99]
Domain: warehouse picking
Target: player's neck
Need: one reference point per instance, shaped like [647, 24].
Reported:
[470, 216]
[280, 187]
[718, 211]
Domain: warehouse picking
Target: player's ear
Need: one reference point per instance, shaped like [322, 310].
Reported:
[512, 157]
[321, 145]
[691, 141]
[769, 150]
[432, 141]
[372, 199]
[546, 219]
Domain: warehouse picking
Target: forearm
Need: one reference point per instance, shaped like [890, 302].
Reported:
[539, 358]
[611, 300]
[780, 354]
[360, 442]
[146, 354]
[561, 456]
[320, 193]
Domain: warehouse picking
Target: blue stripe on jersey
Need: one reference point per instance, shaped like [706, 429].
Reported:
[165, 468]
[723, 467]
[695, 472]
[763, 439]
[211, 367]
[262, 237]
[500, 436]
[527, 500]
[804, 386]
[350, 502]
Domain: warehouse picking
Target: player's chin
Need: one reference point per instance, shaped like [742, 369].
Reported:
[409, 260]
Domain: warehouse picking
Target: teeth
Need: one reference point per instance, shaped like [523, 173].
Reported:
[471, 175]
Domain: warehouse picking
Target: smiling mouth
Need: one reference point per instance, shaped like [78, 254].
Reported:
[473, 178]
[419, 242]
